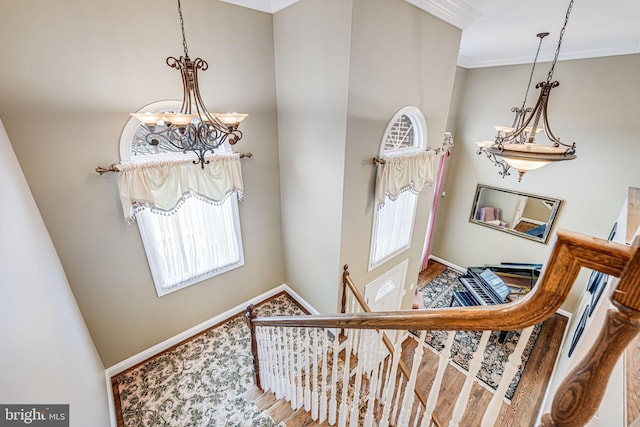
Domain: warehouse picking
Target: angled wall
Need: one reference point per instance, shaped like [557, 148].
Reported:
[47, 355]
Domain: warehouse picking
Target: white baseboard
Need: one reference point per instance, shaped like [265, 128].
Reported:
[447, 263]
[170, 342]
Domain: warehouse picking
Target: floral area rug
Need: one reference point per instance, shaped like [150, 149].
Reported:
[438, 294]
[201, 381]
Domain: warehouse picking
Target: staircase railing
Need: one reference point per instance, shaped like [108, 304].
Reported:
[290, 367]
[354, 302]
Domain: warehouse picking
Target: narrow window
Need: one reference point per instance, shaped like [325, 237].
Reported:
[393, 220]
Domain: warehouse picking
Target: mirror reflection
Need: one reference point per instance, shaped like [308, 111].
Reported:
[526, 215]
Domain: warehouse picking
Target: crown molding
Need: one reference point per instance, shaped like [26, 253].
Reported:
[626, 47]
[459, 13]
[278, 5]
[268, 6]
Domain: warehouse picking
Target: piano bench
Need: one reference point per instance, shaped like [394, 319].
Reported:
[465, 299]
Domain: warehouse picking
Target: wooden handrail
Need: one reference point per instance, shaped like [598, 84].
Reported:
[347, 282]
[571, 252]
[580, 394]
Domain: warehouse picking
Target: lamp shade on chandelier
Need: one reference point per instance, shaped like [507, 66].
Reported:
[193, 128]
[515, 147]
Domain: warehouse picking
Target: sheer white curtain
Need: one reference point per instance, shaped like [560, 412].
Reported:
[197, 240]
[393, 227]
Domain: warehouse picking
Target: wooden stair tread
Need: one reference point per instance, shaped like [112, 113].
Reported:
[280, 411]
[265, 401]
[253, 393]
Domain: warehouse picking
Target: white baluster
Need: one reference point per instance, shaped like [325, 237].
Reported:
[373, 390]
[292, 369]
[282, 365]
[333, 403]
[382, 360]
[286, 374]
[434, 393]
[390, 385]
[354, 415]
[344, 408]
[417, 414]
[299, 363]
[307, 388]
[273, 358]
[396, 405]
[286, 366]
[263, 358]
[383, 397]
[510, 369]
[325, 379]
[313, 395]
[409, 394]
[474, 367]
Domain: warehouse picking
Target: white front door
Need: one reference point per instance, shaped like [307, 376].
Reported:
[385, 293]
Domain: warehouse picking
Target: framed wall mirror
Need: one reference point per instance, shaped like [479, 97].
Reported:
[521, 214]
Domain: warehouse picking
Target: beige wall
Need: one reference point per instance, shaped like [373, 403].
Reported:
[596, 105]
[47, 355]
[80, 67]
[343, 69]
[400, 56]
[312, 70]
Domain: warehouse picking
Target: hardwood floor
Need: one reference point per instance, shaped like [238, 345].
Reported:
[526, 402]
[524, 407]
[434, 268]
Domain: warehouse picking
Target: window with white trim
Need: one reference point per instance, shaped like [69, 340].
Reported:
[394, 216]
[198, 238]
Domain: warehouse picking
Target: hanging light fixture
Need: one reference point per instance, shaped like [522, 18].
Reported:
[520, 115]
[515, 147]
[193, 128]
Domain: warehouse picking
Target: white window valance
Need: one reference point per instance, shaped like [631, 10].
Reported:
[162, 185]
[413, 172]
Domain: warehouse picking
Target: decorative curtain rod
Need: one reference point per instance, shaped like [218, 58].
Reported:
[447, 143]
[114, 166]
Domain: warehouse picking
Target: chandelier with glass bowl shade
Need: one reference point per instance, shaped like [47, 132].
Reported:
[193, 128]
[515, 147]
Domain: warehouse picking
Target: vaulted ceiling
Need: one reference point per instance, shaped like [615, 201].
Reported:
[501, 32]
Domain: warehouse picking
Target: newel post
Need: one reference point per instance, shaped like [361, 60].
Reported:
[250, 315]
[580, 394]
[345, 275]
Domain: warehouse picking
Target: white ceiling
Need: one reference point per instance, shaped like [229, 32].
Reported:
[501, 32]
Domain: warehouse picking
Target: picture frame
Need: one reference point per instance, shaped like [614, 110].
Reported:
[579, 329]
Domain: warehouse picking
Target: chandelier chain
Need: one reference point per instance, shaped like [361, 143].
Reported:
[564, 27]
[184, 38]
[533, 67]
